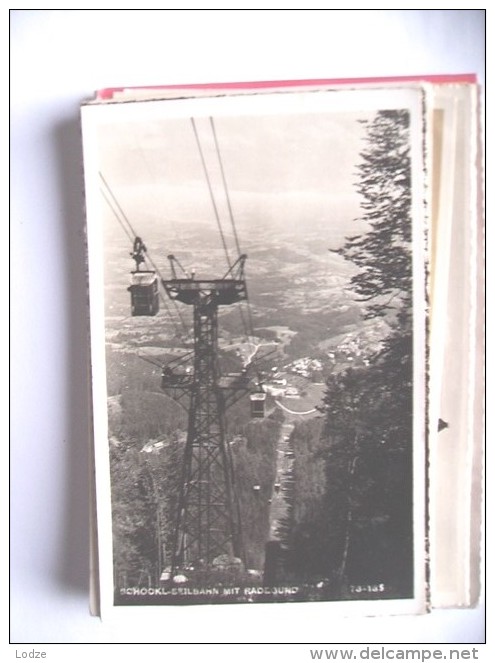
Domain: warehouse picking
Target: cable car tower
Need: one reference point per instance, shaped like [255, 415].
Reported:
[208, 520]
[208, 516]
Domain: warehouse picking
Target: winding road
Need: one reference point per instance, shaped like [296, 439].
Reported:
[286, 409]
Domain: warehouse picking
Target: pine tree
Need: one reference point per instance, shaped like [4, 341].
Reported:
[383, 253]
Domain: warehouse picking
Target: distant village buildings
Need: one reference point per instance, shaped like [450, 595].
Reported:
[278, 385]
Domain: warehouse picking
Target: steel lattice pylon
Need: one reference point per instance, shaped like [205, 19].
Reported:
[208, 520]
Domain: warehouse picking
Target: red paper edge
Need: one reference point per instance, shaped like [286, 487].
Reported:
[108, 93]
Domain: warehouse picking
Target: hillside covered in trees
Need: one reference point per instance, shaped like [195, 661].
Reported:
[353, 524]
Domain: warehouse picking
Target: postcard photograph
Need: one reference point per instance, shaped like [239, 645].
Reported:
[257, 300]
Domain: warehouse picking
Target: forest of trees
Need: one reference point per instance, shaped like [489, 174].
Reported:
[356, 528]
[145, 486]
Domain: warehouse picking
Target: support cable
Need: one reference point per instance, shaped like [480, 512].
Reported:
[116, 202]
[131, 234]
[217, 216]
[231, 215]
[110, 205]
[150, 361]
[232, 221]
[165, 299]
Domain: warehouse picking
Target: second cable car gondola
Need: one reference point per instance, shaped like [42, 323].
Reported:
[174, 379]
[257, 401]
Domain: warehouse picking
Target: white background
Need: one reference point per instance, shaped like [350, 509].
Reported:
[58, 59]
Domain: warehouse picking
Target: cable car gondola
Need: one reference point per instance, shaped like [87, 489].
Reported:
[144, 293]
[173, 379]
[144, 284]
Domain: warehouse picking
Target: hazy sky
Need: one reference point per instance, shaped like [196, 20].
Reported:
[288, 168]
[290, 162]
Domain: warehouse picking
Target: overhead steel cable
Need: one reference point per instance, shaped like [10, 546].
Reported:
[107, 186]
[231, 215]
[131, 234]
[232, 220]
[205, 170]
[150, 361]
[147, 258]
[110, 205]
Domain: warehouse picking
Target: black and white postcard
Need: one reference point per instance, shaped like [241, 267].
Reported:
[257, 299]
